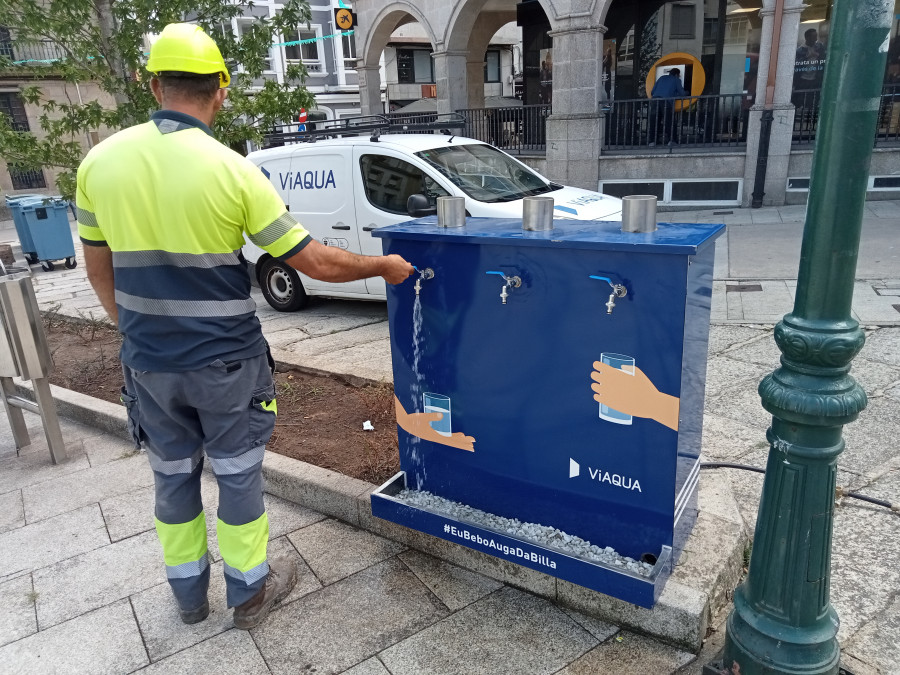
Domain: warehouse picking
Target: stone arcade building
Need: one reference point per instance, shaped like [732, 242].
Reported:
[604, 55]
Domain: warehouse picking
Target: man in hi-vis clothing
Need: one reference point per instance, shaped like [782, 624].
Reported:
[162, 212]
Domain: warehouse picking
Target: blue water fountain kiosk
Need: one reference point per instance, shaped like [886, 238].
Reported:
[554, 378]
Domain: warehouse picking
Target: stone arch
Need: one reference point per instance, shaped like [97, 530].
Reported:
[599, 10]
[464, 17]
[387, 19]
[479, 40]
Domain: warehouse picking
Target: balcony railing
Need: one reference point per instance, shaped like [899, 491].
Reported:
[518, 130]
[25, 53]
[695, 122]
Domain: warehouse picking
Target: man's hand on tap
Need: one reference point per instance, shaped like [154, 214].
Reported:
[396, 269]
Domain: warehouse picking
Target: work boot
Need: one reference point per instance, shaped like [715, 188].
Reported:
[280, 581]
[190, 616]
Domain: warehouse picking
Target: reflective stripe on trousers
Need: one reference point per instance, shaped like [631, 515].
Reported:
[225, 411]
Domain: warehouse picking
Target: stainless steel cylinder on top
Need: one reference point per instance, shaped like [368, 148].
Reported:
[639, 213]
[537, 213]
[451, 211]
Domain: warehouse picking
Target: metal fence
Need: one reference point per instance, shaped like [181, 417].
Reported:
[806, 117]
[698, 122]
[411, 119]
[518, 130]
[888, 129]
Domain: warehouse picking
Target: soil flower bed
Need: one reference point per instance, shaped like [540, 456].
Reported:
[320, 418]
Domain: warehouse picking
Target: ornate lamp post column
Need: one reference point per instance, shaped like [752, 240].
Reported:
[782, 620]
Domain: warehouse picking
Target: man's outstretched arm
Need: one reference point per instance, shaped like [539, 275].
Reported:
[327, 263]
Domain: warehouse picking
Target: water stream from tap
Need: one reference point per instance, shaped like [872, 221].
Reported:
[415, 450]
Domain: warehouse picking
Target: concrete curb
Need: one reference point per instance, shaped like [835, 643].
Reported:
[700, 585]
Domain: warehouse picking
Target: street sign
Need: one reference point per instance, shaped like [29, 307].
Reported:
[344, 19]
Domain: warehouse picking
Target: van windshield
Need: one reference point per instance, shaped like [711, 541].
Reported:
[486, 174]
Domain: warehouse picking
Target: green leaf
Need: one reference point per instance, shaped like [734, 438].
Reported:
[95, 60]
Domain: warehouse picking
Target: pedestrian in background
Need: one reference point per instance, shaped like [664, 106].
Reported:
[664, 93]
[162, 211]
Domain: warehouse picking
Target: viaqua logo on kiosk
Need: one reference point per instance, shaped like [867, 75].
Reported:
[602, 476]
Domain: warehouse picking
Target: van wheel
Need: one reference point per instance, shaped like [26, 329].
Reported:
[281, 286]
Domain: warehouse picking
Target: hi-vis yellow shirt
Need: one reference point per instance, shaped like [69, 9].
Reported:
[173, 205]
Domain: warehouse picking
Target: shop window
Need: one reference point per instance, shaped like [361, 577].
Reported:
[723, 37]
[683, 24]
[390, 181]
[492, 66]
[414, 66]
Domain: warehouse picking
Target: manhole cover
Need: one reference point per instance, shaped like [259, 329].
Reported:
[744, 288]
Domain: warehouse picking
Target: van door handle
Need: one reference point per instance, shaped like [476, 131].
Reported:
[340, 227]
[369, 228]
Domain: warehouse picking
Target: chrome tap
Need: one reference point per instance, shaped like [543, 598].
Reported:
[618, 291]
[511, 282]
[426, 274]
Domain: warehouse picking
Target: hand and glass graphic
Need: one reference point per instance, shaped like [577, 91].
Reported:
[434, 424]
[626, 365]
[438, 403]
[624, 392]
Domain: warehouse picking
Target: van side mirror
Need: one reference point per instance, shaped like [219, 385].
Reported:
[418, 206]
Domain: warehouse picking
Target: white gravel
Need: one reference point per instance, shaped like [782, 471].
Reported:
[542, 535]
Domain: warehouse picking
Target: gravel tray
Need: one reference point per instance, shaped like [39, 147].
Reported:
[542, 535]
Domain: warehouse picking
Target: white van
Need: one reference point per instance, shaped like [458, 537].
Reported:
[341, 189]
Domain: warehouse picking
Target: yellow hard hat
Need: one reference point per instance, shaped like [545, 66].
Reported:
[184, 47]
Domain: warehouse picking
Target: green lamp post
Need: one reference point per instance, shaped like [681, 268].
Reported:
[783, 621]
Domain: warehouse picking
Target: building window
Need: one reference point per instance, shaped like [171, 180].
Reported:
[683, 22]
[390, 181]
[492, 66]
[414, 66]
[244, 25]
[348, 42]
[26, 180]
[626, 51]
[306, 53]
[6, 48]
[12, 106]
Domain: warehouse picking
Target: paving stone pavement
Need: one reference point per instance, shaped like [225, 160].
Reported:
[82, 588]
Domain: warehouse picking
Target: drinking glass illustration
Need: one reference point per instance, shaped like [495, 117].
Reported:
[438, 403]
[624, 363]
